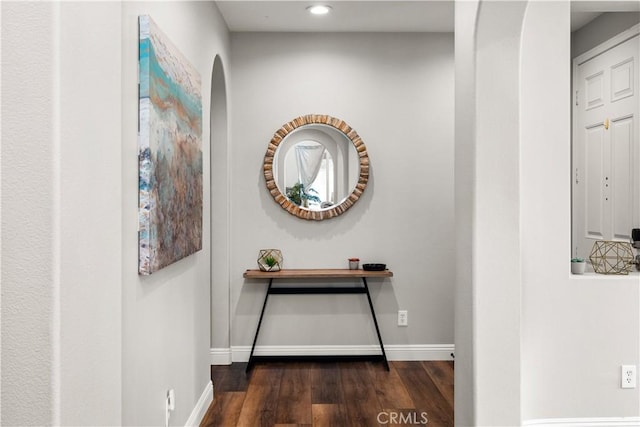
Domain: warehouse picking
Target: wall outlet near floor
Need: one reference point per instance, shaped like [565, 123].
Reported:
[628, 376]
[403, 318]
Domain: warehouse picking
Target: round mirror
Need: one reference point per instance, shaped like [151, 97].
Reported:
[316, 167]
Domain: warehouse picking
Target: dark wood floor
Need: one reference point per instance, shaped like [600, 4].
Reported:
[340, 394]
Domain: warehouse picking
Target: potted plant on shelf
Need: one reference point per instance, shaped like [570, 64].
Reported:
[578, 265]
[270, 260]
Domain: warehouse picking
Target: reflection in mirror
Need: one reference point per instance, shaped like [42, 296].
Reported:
[316, 167]
[308, 175]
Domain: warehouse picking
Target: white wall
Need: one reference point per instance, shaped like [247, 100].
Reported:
[220, 222]
[558, 340]
[487, 175]
[465, 127]
[166, 331]
[85, 340]
[577, 330]
[396, 91]
[30, 216]
[90, 174]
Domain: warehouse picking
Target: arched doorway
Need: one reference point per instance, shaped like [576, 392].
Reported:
[219, 222]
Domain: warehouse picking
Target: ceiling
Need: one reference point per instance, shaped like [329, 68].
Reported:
[580, 19]
[584, 11]
[346, 16]
[375, 16]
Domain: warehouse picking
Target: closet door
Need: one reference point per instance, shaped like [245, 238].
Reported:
[606, 190]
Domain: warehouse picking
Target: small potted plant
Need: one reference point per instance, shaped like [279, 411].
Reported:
[270, 260]
[578, 265]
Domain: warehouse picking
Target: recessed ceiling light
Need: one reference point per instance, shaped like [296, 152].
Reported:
[319, 9]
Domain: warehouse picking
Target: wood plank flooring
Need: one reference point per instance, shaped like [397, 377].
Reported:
[337, 394]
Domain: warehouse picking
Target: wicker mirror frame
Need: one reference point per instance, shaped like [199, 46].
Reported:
[288, 205]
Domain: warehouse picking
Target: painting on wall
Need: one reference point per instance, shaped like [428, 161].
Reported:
[169, 152]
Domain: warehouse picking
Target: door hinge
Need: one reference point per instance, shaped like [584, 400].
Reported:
[576, 97]
[577, 180]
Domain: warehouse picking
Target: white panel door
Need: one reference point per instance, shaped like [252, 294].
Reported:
[606, 147]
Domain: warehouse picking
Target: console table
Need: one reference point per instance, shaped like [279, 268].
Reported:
[306, 274]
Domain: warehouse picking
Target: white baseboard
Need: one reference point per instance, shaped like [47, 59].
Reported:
[419, 352]
[221, 356]
[585, 422]
[201, 407]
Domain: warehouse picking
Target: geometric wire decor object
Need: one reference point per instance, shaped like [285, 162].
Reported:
[169, 152]
[270, 260]
[609, 257]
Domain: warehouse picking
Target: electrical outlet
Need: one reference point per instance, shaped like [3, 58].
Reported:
[628, 376]
[403, 318]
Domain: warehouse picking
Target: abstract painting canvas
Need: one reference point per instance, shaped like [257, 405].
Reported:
[169, 152]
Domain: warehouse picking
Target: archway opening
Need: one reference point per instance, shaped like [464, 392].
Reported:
[219, 220]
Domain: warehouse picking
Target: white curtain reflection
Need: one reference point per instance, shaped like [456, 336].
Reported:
[309, 159]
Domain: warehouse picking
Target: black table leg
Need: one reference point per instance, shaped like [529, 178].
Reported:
[255, 339]
[375, 322]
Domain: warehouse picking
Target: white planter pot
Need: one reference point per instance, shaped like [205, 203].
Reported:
[578, 267]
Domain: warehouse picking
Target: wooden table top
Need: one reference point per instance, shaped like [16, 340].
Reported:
[329, 273]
